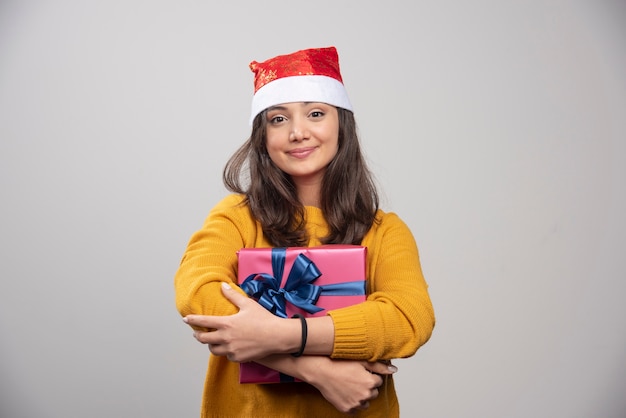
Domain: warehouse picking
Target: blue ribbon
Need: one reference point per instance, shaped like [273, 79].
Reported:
[299, 289]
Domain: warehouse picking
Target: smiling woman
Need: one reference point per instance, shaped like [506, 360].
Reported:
[300, 180]
[302, 139]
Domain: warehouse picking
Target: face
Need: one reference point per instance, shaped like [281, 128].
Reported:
[302, 139]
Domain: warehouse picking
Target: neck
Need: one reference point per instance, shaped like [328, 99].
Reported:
[309, 194]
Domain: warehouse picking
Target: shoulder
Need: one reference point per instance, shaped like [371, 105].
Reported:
[231, 202]
[231, 219]
[388, 225]
[388, 220]
[232, 208]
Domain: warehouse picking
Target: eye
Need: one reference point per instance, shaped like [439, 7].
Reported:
[316, 114]
[274, 120]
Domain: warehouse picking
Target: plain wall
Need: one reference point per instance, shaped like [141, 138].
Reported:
[496, 130]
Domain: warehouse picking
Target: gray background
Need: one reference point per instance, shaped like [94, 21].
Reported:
[495, 128]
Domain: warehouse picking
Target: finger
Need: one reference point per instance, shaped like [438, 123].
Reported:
[217, 350]
[204, 321]
[198, 337]
[381, 368]
[374, 394]
[220, 350]
[211, 337]
[232, 295]
[379, 381]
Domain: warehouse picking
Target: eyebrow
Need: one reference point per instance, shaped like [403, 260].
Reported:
[269, 109]
[279, 107]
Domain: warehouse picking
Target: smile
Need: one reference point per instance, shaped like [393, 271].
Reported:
[301, 152]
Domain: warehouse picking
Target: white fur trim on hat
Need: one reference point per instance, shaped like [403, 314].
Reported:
[302, 88]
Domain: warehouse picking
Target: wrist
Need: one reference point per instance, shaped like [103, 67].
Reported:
[287, 336]
[303, 335]
[312, 369]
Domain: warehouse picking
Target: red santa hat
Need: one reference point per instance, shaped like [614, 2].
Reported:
[308, 75]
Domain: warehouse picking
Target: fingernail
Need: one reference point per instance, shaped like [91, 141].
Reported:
[185, 320]
[392, 369]
[225, 286]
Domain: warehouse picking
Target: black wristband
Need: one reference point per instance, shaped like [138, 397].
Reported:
[304, 335]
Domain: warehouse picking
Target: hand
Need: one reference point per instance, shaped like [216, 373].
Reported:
[247, 335]
[349, 384]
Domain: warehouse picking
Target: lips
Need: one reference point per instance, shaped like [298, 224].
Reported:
[301, 152]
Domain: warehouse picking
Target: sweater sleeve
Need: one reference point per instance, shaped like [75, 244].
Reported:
[397, 317]
[211, 258]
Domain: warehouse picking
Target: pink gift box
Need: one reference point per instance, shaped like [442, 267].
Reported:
[313, 281]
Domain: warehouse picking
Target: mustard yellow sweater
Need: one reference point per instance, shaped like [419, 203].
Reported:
[394, 322]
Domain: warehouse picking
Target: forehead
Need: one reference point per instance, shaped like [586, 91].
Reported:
[298, 105]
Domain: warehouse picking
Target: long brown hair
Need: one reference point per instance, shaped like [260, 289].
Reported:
[349, 199]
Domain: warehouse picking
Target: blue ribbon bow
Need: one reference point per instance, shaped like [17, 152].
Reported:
[299, 289]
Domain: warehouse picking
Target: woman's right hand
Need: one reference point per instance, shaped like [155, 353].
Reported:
[347, 384]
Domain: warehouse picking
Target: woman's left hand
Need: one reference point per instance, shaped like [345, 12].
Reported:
[248, 335]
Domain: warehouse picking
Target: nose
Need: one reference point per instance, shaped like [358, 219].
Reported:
[299, 131]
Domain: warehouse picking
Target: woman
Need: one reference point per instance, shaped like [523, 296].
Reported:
[301, 180]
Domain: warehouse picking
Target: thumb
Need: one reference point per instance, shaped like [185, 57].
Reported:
[232, 295]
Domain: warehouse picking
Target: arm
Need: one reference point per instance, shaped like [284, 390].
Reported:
[347, 384]
[398, 316]
[396, 319]
[254, 333]
[210, 259]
